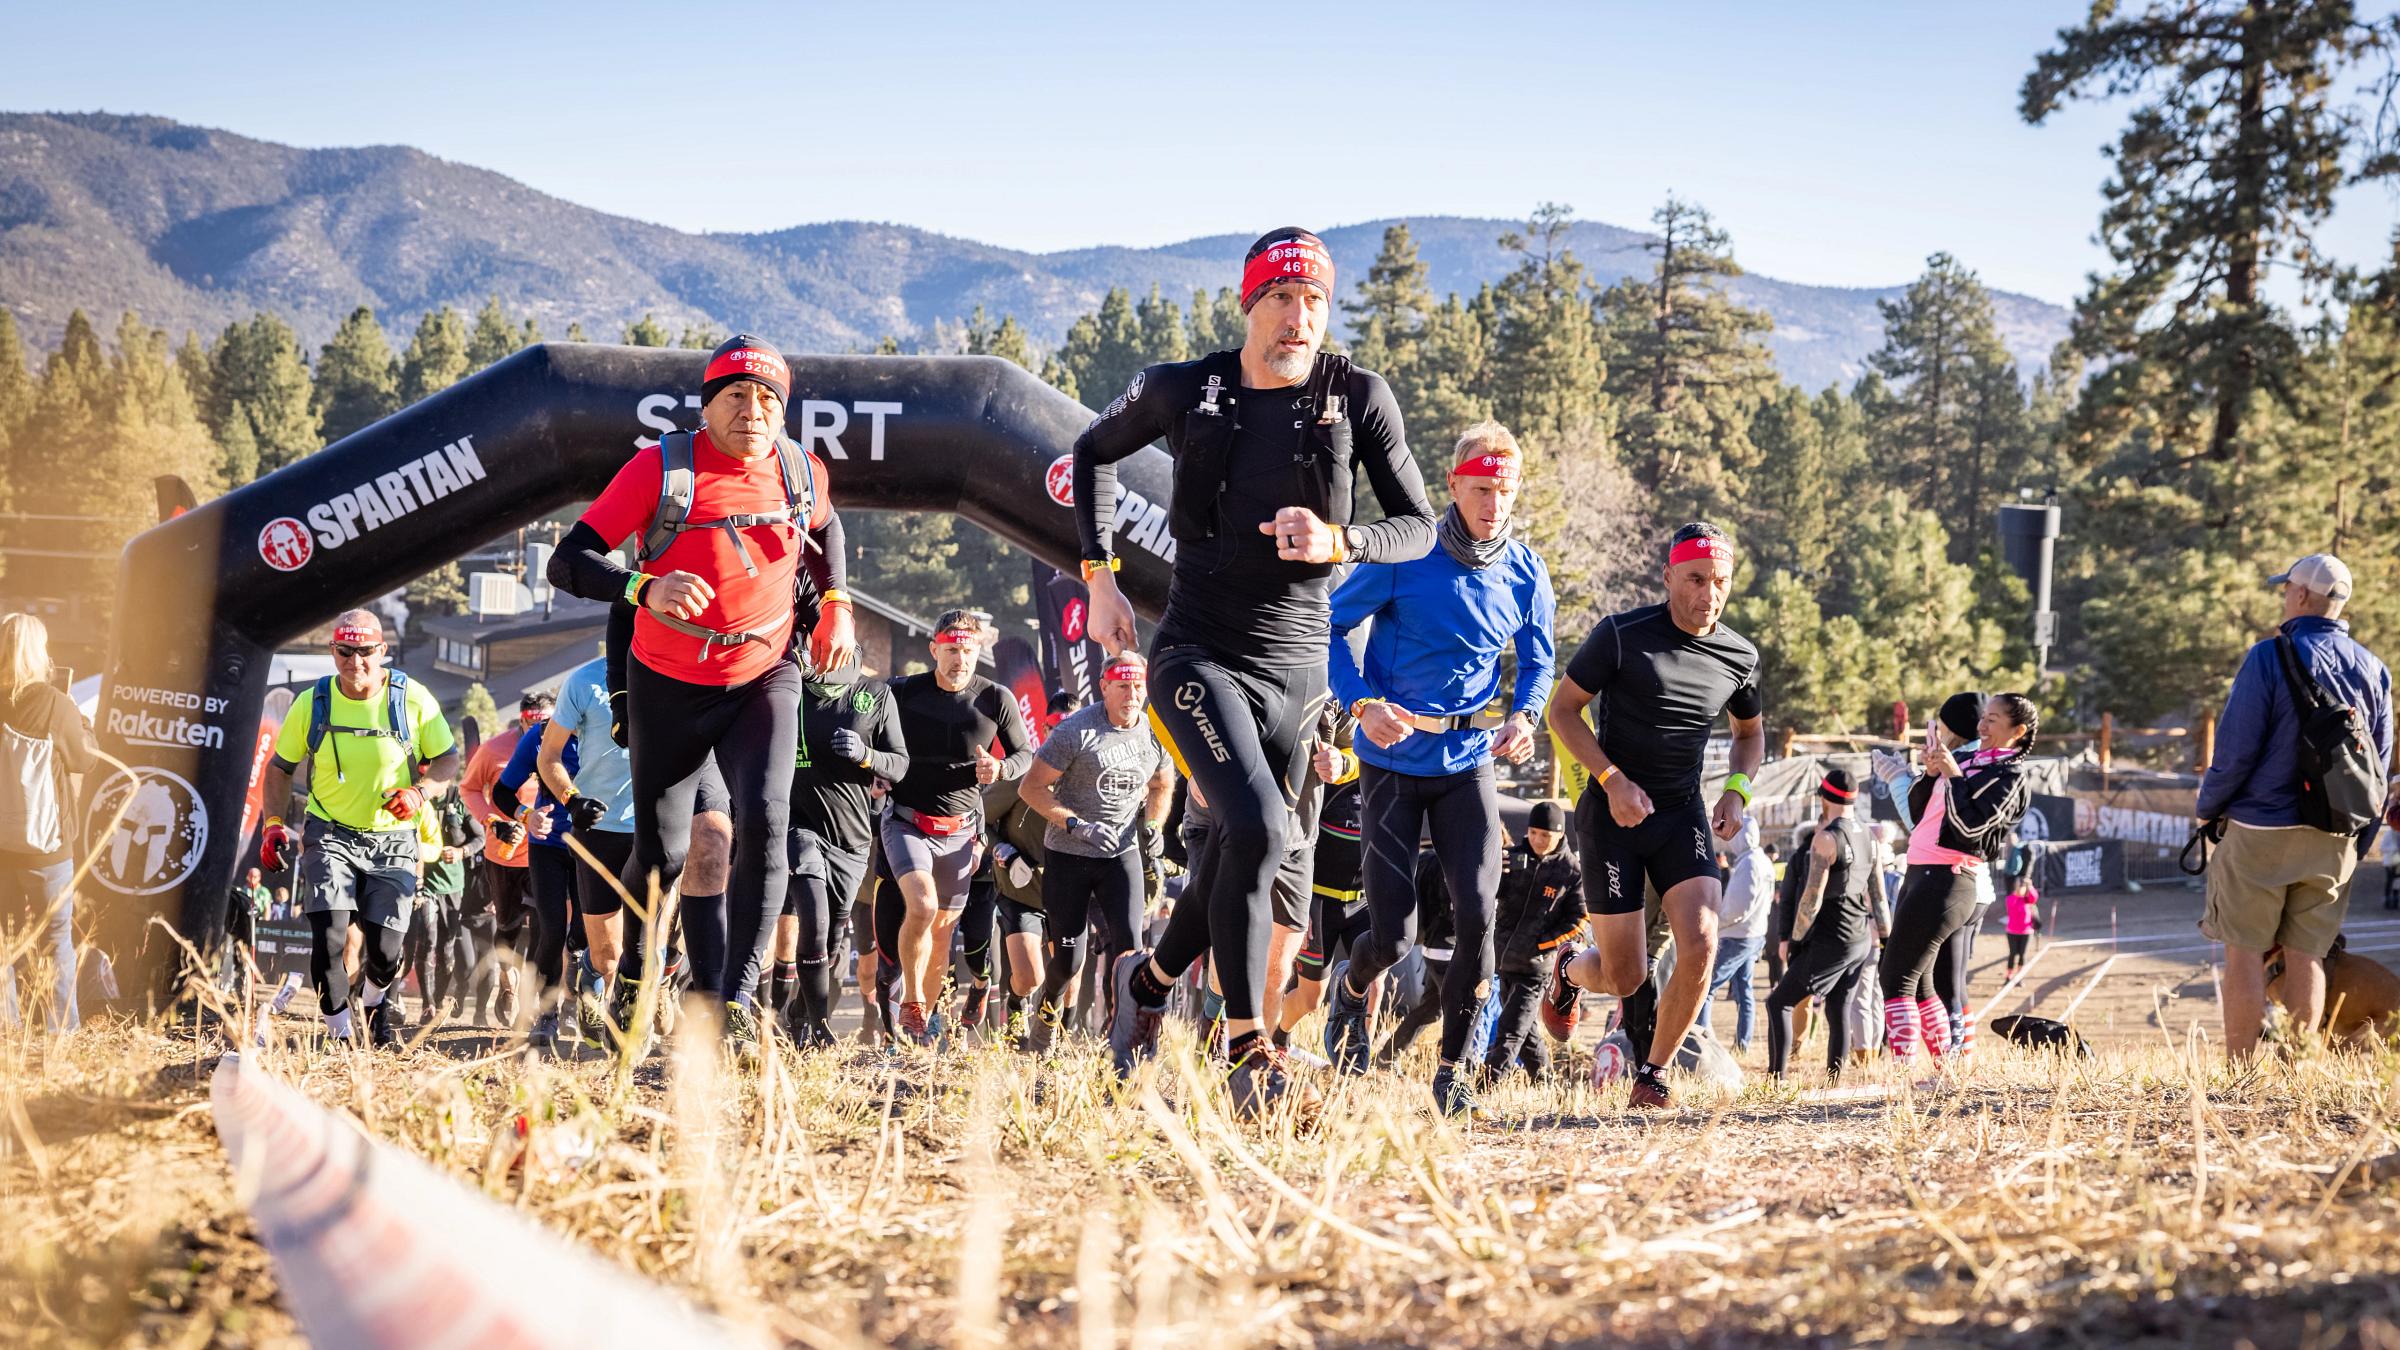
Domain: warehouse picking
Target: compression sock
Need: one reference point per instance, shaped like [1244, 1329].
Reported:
[1282, 1038]
[1639, 1011]
[1900, 1027]
[337, 1025]
[1934, 1021]
[1212, 1007]
[785, 982]
[370, 995]
[1966, 1032]
[1240, 1047]
[1148, 989]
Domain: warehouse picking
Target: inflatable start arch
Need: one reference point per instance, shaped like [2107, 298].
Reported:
[204, 600]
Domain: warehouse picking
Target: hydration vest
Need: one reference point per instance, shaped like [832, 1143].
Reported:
[397, 726]
[678, 480]
[1203, 443]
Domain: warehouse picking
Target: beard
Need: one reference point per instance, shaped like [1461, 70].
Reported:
[1285, 365]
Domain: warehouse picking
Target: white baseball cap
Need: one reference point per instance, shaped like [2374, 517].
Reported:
[2323, 573]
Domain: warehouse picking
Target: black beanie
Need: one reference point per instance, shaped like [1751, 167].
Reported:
[743, 357]
[1960, 713]
[1548, 816]
[1836, 786]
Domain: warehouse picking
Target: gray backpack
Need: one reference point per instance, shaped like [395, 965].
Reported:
[29, 810]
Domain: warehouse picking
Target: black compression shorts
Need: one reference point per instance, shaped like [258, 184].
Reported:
[1671, 847]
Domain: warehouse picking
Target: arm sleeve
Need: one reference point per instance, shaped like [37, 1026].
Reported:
[1014, 738]
[2241, 732]
[1365, 593]
[1127, 425]
[1537, 648]
[887, 753]
[1406, 530]
[824, 561]
[581, 566]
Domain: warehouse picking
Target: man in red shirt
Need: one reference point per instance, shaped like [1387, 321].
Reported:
[713, 667]
[504, 908]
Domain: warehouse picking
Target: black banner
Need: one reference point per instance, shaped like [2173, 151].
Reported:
[2050, 818]
[1015, 669]
[1070, 659]
[2093, 865]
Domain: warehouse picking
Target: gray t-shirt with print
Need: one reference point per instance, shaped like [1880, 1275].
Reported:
[1104, 773]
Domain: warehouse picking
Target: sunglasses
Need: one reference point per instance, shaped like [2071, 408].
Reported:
[356, 653]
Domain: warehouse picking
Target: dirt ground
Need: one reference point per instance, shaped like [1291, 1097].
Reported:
[2150, 1196]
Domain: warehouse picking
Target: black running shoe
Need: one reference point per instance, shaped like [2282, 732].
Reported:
[1345, 1023]
[384, 1025]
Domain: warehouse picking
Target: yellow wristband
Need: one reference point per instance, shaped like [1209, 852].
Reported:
[1091, 565]
[1739, 785]
[1601, 778]
[633, 588]
[833, 598]
[1356, 705]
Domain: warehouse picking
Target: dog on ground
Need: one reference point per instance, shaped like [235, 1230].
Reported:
[2362, 996]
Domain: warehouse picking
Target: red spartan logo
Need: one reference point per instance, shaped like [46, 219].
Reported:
[285, 544]
[1070, 619]
[1060, 480]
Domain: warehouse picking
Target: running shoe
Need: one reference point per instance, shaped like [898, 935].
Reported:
[1562, 1003]
[1649, 1091]
[970, 1007]
[1346, 1032]
[591, 1008]
[1132, 1028]
[544, 1035]
[1265, 1077]
[741, 1032]
[1454, 1091]
[504, 1006]
[913, 1026]
[383, 1025]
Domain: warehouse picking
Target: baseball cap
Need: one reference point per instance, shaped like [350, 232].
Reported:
[2323, 573]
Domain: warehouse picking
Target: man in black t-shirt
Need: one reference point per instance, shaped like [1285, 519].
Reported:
[1657, 678]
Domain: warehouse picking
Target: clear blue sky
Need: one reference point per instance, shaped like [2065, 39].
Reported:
[1839, 142]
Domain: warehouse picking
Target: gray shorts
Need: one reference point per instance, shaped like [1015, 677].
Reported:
[840, 869]
[950, 859]
[373, 873]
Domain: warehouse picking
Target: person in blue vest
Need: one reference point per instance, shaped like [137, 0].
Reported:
[1439, 627]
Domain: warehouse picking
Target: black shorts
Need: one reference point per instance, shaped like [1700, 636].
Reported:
[1013, 918]
[709, 791]
[1671, 847]
[596, 893]
[1290, 894]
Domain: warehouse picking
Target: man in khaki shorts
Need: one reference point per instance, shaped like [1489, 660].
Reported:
[2275, 881]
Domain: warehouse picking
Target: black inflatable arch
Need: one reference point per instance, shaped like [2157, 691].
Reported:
[204, 600]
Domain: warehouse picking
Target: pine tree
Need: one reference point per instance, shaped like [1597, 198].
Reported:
[257, 365]
[1103, 351]
[1162, 336]
[1954, 424]
[440, 591]
[1686, 366]
[355, 378]
[2226, 168]
[477, 703]
[18, 394]
[495, 336]
[574, 332]
[436, 357]
[1007, 341]
[1547, 355]
[700, 339]
[1216, 322]
[649, 332]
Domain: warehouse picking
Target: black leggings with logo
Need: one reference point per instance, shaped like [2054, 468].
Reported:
[1104, 894]
[1243, 734]
[1462, 812]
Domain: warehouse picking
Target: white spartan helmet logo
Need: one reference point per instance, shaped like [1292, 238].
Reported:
[144, 835]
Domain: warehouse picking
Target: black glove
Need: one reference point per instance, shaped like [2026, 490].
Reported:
[1154, 840]
[616, 720]
[506, 831]
[586, 811]
[851, 746]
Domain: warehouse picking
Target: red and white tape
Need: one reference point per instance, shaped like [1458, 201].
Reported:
[375, 1248]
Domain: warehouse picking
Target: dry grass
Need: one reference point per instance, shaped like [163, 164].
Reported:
[983, 1198]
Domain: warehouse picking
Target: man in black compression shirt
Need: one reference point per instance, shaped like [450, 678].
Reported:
[1658, 677]
[933, 835]
[849, 737]
[1267, 442]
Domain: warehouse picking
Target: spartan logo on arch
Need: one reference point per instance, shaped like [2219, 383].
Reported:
[158, 840]
[1059, 480]
[284, 544]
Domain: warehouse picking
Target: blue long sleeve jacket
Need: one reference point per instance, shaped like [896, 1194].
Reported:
[1436, 631]
[2255, 778]
[523, 767]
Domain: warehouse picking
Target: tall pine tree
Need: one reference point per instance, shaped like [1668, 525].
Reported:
[436, 357]
[355, 377]
[256, 371]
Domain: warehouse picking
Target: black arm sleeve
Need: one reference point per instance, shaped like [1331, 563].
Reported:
[1127, 425]
[887, 751]
[1406, 531]
[582, 567]
[1014, 738]
[824, 559]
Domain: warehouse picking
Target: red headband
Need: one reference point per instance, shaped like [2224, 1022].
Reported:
[1487, 466]
[533, 714]
[1128, 671]
[957, 636]
[1294, 259]
[1825, 785]
[1705, 547]
[750, 362]
[359, 637]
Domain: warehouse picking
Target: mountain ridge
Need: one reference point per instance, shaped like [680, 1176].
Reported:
[196, 227]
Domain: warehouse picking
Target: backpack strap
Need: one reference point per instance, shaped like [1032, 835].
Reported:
[674, 494]
[2306, 692]
[320, 713]
[403, 729]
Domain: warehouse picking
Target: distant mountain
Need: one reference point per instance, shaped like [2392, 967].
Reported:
[195, 227]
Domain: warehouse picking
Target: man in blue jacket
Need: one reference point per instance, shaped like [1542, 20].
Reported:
[2274, 881]
[1439, 625]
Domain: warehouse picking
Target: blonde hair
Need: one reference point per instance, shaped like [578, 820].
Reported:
[24, 653]
[1487, 438]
